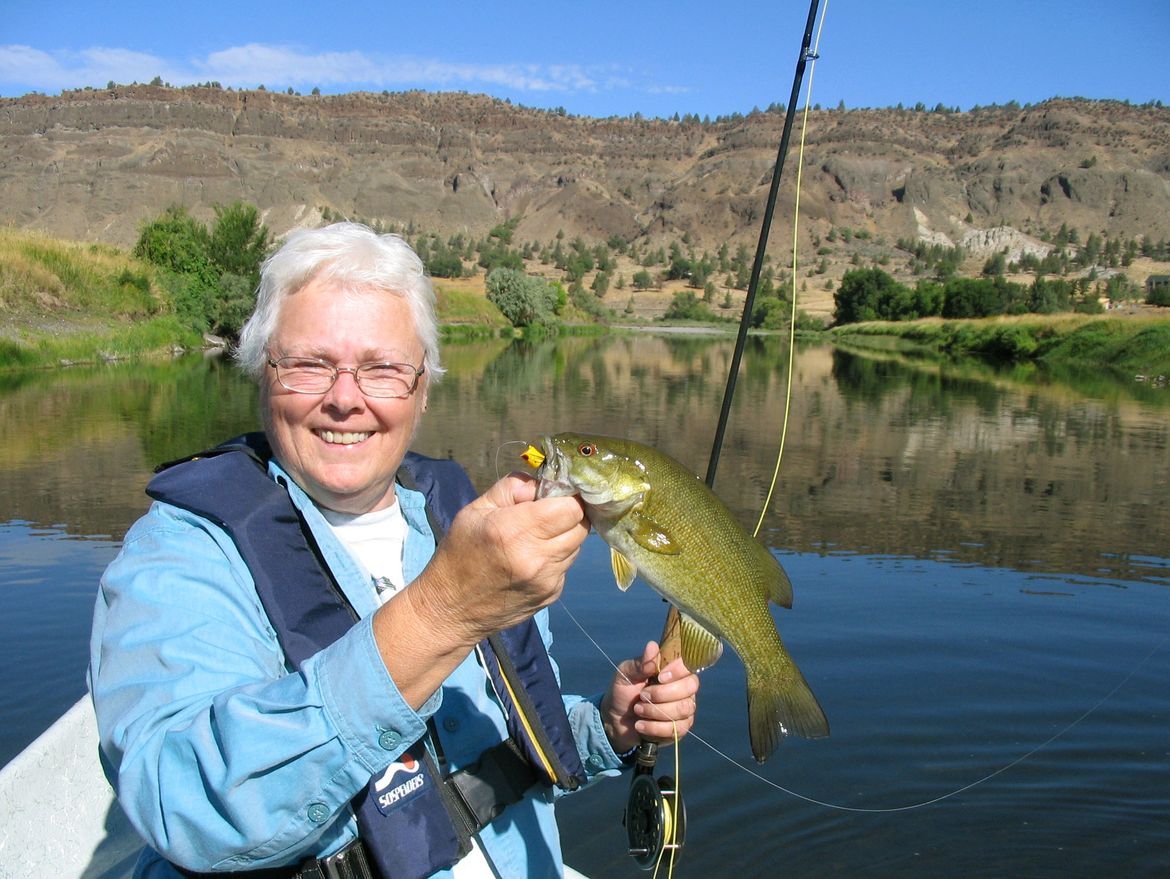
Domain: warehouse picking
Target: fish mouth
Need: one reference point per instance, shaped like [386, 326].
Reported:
[554, 473]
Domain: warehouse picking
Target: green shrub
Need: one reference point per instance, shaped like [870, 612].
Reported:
[687, 306]
[1011, 343]
[178, 242]
[1159, 295]
[524, 300]
[771, 313]
[588, 303]
[444, 264]
[211, 275]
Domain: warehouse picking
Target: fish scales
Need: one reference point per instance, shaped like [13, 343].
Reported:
[664, 523]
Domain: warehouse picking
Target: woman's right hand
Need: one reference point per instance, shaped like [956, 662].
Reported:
[503, 559]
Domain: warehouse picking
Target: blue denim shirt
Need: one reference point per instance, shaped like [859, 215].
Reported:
[225, 759]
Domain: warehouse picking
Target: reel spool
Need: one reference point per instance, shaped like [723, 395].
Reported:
[655, 818]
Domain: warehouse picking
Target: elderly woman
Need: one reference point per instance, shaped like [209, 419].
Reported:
[318, 653]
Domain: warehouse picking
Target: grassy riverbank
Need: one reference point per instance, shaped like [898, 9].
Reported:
[70, 302]
[67, 302]
[64, 302]
[1133, 343]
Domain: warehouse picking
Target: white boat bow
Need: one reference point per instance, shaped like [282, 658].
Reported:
[62, 820]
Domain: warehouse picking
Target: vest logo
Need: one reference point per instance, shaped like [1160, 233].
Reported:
[398, 783]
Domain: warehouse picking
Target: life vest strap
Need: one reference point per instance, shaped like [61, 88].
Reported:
[500, 777]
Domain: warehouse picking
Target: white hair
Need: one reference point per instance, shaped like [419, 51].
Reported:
[357, 259]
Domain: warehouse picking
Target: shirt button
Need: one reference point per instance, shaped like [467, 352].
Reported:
[595, 762]
[318, 813]
[389, 740]
[451, 724]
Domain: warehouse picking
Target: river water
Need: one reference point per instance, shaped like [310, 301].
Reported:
[980, 560]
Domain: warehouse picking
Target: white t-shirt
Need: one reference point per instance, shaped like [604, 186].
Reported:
[376, 540]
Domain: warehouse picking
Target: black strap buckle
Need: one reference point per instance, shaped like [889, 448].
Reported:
[347, 863]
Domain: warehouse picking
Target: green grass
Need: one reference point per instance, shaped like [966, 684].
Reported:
[37, 272]
[116, 342]
[462, 305]
[1136, 345]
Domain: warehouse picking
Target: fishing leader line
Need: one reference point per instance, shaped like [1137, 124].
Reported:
[840, 807]
[906, 808]
[500, 448]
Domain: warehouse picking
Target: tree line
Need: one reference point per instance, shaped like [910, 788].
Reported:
[871, 294]
[211, 273]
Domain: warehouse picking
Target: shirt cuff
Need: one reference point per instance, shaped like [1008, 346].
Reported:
[597, 754]
[372, 719]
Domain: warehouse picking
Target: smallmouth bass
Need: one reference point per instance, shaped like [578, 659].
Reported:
[663, 522]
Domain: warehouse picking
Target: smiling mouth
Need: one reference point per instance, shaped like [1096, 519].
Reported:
[343, 438]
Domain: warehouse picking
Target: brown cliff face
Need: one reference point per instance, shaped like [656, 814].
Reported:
[93, 164]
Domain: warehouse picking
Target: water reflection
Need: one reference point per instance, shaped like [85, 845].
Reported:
[77, 445]
[884, 454]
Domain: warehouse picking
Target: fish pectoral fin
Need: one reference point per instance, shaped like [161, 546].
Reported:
[624, 571]
[652, 537]
[700, 648]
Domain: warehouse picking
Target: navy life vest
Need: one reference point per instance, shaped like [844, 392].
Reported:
[230, 486]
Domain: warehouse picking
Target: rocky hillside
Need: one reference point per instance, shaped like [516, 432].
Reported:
[92, 164]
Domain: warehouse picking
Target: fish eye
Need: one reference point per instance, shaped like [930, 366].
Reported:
[586, 450]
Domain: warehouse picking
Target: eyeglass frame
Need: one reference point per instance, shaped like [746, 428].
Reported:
[352, 370]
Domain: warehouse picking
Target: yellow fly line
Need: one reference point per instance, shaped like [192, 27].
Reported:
[670, 821]
[792, 315]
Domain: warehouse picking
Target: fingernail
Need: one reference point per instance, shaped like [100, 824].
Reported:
[665, 677]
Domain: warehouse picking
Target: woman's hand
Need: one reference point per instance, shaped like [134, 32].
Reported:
[504, 558]
[638, 707]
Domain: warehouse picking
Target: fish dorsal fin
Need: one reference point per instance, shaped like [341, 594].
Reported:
[700, 648]
[651, 536]
[624, 571]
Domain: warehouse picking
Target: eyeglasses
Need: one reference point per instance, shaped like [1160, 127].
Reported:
[308, 375]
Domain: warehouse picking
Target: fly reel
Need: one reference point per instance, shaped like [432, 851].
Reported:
[655, 818]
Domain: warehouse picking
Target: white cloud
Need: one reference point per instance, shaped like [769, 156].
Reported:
[254, 63]
[278, 67]
[51, 71]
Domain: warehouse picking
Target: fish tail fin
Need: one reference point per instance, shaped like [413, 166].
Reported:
[779, 705]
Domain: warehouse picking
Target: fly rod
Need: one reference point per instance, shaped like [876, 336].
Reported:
[765, 228]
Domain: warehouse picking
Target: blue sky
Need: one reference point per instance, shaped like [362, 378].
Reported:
[605, 58]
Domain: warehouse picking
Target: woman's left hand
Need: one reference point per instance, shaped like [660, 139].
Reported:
[639, 707]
